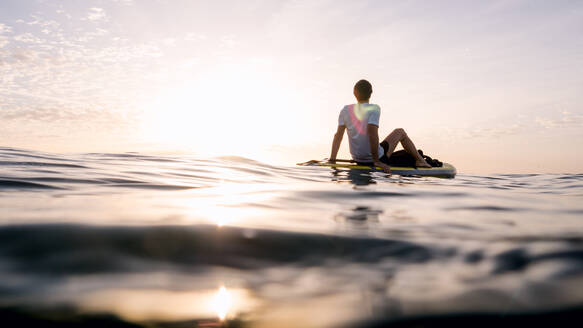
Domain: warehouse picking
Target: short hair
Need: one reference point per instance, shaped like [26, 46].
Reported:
[362, 90]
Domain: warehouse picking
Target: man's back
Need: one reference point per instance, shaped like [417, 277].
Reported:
[356, 118]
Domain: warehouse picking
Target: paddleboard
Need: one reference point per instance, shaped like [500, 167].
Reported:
[446, 171]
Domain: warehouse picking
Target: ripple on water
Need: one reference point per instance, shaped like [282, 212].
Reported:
[311, 243]
[24, 185]
[45, 164]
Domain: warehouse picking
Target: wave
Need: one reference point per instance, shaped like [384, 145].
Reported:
[71, 248]
[16, 184]
[74, 249]
[46, 164]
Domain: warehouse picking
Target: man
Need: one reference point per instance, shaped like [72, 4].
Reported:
[361, 120]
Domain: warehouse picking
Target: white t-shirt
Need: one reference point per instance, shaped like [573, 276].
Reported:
[356, 118]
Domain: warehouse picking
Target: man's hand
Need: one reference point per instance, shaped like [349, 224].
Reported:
[383, 166]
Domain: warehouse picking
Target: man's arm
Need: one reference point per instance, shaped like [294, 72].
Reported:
[336, 142]
[373, 139]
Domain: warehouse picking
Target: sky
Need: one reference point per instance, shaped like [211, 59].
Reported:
[489, 86]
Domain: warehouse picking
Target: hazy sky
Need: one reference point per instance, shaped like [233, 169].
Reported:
[490, 86]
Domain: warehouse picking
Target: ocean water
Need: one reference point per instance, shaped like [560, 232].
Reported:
[135, 240]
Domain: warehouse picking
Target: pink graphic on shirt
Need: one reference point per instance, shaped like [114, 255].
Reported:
[356, 116]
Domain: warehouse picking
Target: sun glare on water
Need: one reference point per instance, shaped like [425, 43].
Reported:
[222, 302]
[171, 306]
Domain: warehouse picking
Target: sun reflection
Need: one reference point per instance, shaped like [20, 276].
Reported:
[222, 302]
[171, 306]
[229, 204]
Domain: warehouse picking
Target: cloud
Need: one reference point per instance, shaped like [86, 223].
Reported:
[567, 120]
[484, 131]
[512, 126]
[27, 38]
[96, 14]
[4, 29]
[38, 20]
[124, 2]
[76, 115]
[84, 76]
[195, 37]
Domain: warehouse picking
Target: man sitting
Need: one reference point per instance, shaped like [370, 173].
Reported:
[361, 122]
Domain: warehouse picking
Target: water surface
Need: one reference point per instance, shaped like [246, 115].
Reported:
[139, 240]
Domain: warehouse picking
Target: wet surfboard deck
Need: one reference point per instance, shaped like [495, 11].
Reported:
[446, 171]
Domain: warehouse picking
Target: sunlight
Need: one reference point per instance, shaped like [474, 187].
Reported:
[222, 302]
[166, 305]
[231, 204]
[221, 112]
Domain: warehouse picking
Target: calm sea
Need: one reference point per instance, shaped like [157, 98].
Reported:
[125, 240]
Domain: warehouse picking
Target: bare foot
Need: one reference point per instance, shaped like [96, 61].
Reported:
[422, 163]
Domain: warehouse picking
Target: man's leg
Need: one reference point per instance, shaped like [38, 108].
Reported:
[399, 135]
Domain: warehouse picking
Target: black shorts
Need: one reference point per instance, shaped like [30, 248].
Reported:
[382, 158]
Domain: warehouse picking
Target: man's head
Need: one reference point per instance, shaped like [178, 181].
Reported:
[362, 90]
